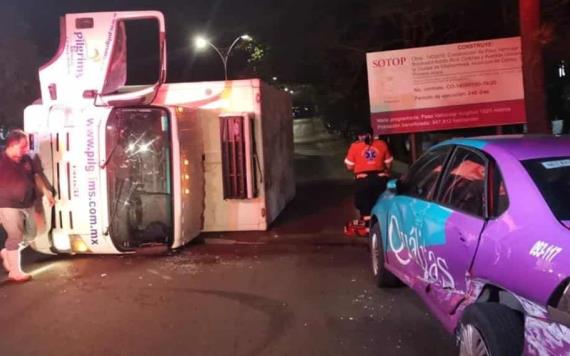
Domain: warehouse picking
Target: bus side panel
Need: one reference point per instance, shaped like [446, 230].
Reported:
[278, 151]
[191, 174]
[35, 124]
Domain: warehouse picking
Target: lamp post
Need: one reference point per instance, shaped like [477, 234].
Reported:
[202, 42]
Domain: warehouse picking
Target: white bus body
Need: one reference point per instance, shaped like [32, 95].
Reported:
[138, 166]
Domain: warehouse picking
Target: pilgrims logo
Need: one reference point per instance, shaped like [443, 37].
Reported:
[79, 53]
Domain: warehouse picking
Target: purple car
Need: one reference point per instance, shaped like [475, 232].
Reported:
[480, 229]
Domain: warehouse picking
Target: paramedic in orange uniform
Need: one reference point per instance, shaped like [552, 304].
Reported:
[370, 160]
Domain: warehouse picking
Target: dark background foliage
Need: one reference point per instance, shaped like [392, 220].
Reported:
[318, 46]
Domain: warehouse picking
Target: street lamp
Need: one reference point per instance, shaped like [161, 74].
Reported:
[201, 42]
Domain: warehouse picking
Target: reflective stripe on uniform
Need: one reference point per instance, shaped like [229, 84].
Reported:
[348, 162]
[364, 174]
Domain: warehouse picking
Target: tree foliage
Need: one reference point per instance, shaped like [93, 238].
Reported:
[555, 36]
[357, 28]
[329, 50]
[555, 30]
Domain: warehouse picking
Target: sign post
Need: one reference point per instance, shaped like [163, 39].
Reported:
[413, 147]
[533, 67]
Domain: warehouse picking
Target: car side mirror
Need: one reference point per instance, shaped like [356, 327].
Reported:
[392, 186]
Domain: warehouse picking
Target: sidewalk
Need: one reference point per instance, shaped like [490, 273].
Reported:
[319, 155]
[314, 164]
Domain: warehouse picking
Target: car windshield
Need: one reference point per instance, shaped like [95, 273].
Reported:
[552, 177]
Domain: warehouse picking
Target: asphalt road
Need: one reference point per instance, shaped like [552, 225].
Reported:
[300, 288]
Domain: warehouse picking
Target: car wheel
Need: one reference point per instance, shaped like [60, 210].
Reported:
[490, 329]
[382, 276]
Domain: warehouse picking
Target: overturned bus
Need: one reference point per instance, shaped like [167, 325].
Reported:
[136, 166]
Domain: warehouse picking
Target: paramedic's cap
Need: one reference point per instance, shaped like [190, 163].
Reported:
[365, 130]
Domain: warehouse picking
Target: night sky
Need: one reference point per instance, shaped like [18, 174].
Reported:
[302, 36]
[279, 24]
[318, 42]
[294, 30]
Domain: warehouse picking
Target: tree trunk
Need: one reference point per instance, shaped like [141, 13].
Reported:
[533, 68]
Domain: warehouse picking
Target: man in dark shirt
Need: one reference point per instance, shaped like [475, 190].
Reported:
[21, 180]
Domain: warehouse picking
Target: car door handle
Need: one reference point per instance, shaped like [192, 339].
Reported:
[462, 237]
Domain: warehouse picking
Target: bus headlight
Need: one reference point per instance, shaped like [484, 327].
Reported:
[61, 241]
[78, 245]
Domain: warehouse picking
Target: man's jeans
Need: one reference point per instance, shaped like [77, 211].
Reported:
[20, 226]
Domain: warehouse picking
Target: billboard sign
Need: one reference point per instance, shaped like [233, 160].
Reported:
[451, 86]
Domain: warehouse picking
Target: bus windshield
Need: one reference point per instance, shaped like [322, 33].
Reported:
[138, 165]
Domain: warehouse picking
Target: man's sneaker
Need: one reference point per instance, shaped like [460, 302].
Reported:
[363, 231]
[16, 274]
